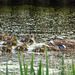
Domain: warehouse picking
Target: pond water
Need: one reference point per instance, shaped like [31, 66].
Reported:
[21, 20]
[43, 22]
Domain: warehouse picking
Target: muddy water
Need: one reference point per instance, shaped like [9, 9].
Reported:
[43, 22]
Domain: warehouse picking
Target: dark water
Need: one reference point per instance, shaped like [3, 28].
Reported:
[41, 21]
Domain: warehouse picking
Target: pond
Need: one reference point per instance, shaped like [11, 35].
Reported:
[42, 22]
[19, 20]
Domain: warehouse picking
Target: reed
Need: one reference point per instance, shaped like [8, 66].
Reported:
[69, 73]
[21, 71]
[32, 69]
[73, 68]
[47, 72]
[62, 69]
[0, 72]
[7, 73]
[25, 67]
[40, 71]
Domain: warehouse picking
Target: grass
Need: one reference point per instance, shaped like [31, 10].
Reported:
[40, 70]
[62, 69]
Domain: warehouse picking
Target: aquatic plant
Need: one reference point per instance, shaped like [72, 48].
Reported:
[24, 70]
[62, 69]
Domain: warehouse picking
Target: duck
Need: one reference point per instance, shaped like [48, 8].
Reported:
[41, 48]
[58, 44]
[9, 49]
[4, 48]
[70, 43]
[14, 42]
[14, 37]
[22, 47]
[64, 45]
[28, 39]
[31, 40]
[7, 43]
[25, 40]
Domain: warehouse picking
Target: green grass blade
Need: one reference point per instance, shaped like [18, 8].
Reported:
[53, 73]
[39, 70]
[21, 72]
[69, 73]
[32, 69]
[62, 69]
[7, 73]
[0, 72]
[73, 69]
[24, 66]
[47, 73]
[26, 69]
[42, 70]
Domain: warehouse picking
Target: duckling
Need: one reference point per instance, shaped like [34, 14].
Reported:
[25, 39]
[4, 49]
[36, 50]
[7, 43]
[42, 49]
[24, 47]
[31, 40]
[9, 49]
[28, 39]
[21, 48]
[39, 49]
[14, 37]
[14, 42]
[5, 36]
